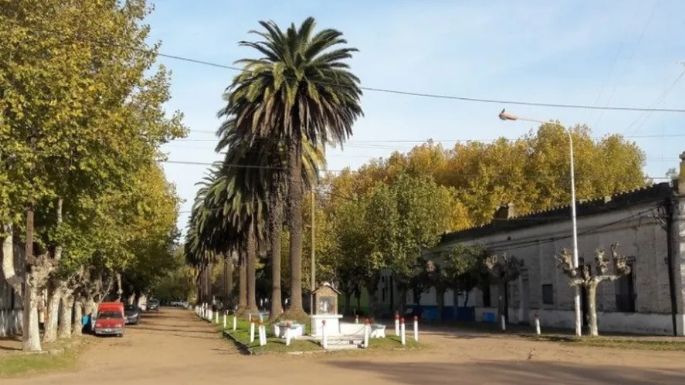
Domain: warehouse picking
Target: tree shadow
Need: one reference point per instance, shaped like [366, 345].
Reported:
[522, 372]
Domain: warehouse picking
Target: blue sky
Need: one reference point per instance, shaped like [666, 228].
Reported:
[622, 53]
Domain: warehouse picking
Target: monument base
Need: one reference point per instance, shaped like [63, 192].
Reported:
[332, 324]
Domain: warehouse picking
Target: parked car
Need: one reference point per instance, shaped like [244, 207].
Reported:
[132, 313]
[179, 304]
[110, 319]
[153, 304]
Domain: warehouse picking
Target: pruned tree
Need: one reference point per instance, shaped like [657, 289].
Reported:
[589, 278]
[502, 269]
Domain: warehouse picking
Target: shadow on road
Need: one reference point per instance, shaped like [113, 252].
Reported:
[521, 372]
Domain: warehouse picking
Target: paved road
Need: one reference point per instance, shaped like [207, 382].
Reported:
[173, 347]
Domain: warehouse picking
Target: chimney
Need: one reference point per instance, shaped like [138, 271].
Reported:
[505, 212]
[681, 175]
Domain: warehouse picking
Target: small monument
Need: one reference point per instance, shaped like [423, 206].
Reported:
[326, 309]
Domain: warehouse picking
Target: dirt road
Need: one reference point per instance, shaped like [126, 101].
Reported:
[173, 347]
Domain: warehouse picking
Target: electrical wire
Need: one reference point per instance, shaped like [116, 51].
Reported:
[422, 94]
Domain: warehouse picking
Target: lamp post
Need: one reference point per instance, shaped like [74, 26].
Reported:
[576, 298]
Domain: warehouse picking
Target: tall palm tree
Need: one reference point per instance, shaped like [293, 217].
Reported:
[300, 91]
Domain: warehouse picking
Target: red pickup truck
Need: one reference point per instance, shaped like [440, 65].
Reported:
[110, 319]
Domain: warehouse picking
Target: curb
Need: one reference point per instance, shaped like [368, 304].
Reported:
[244, 349]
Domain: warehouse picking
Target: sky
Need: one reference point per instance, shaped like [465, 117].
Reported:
[599, 53]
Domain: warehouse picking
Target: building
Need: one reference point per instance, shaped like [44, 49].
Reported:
[649, 226]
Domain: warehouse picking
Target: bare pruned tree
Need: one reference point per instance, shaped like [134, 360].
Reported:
[589, 278]
[503, 269]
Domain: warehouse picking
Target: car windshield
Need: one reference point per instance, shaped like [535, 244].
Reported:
[109, 314]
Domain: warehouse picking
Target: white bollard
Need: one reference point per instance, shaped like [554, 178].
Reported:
[216, 318]
[234, 322]
[537, 324]
[324, 337]
[261, 318]
[397, 323]
[504, 323]
[402, 332]
[262, 334]
[416, 328]
[356, 319]
[251, 332]
[287, 335]
[367, 331]
[224, 320]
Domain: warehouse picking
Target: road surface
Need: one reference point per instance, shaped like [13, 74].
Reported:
[174, 347]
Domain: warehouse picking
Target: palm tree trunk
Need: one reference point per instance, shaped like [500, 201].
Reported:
[228, 280]
[251, 270]
[242, 290]
[295, 227]
[275, 221]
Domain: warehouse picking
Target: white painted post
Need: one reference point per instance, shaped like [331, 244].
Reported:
[216, 318]
[402, 332]
[367, 331]
[251, 332]
[324, 337]
[504, 323]
[262, 334]
[356, 319]
[397, 323]
[287, 335]
[261, 317]
[416, 328]
[225, 319]
[234, 322]
[537, 324]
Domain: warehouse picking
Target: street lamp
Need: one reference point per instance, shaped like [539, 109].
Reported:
[576, 299]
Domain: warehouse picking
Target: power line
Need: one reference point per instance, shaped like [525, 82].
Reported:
[355, 142]
[394, 91]
[453, 97]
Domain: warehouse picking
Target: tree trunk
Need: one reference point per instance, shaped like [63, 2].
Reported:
[208, 283]
[52, 315]
[440, 299]
[591, 290]
[251, 270]
[228, 280]
[77, 327]
[65, 315]
[30, 327]
[295, 227]
[275, 222]
[359, 302]
[348, 298]
[8, 269]
[242, 285]
[502, 301]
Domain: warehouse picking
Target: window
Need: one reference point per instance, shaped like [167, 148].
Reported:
[548, 294]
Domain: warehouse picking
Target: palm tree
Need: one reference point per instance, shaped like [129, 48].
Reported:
[300, 91]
